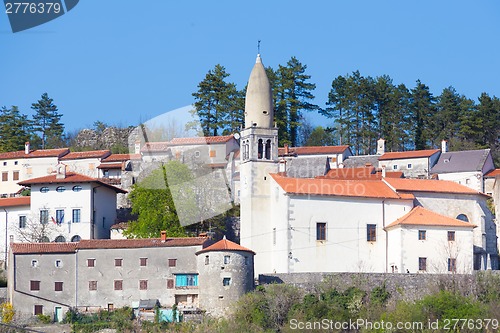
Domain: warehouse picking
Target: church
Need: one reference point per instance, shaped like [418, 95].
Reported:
[352, 220]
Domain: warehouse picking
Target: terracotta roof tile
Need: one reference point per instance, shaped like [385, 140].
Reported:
[200, 140]
[352, 173]
[424, 217]
[155, 147]
[71, 177]
[312, 150]
[120, 226]
[59, 152]
[338, 187]
[225, 245]
[86, 154]
[408, 154]
[429, 185]
[118, 165]
[121, 158]
[13, 202]
[105, 244]
[493, 173]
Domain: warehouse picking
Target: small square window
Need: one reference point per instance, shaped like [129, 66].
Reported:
[38, 310]
[16, 162]
[409, 166]
[15, 175]
[451, 236]
[395, 167]
[207, 260]
[4, 163]
[172, 262]
[422, 264]
[170, 283]
[422, 234]
[452, 265]
[58, 286]
[143, 284]
[227, 260]
[58, 263]
[90, 262]
[34, 263]
[118, 284]
[371, 232]
[92, 285]
[5, 176]
[118, 262]
[226, 282]
[34, 285]
[321, 231]
[143, 261]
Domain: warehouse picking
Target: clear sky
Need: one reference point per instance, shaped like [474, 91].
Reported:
[123, 62]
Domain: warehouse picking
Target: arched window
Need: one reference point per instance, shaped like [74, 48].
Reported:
[44, 239]
[76, 238]
[260, 149]
[60, 189]
[268, 149]
[60, 239]
[463, 217]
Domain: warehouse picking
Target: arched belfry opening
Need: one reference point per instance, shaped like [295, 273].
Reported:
[268, 149]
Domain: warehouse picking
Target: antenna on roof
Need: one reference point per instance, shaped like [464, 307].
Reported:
[258, 46]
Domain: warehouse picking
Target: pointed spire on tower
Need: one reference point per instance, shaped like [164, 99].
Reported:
[259, 99]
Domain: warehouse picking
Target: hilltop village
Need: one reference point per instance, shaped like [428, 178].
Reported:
[302, 210]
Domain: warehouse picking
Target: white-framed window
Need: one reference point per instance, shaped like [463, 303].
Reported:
[34, 263]
[227, 260]
[22, 222]
[58, 263]
[395, 167]
[76, 215]
[409, 166]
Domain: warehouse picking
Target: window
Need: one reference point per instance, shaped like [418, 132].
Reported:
[207, 260]
[422, 235]
[463, 217]
[197, 154]
[186, 280]
[172, 262]
[227, 260]
[38, 310]
[90, 262]
[44, 216]
[34, 263]
[267, 152]
[143, 261]
[4, 163]
[16, 162]
[76, 215]
[60, 239]
[92, 285]
[22, 222]
[58, 286]
[5, 176]
[60, 189]
[409, 166]
[15, 175]
[118, 284]
[143, 284]
[395, 167]
[170, 283]
[452, 265]
[371, 232]
[451, 236]
[34, 285]
[226, 281]
[44, 189]
[320, 231]
[422, 264]
[467, 181]
[105, 173]
[60, 216]
[76, 238]
[77, 188]
[212, 153]
[118, 262]
[58, 263]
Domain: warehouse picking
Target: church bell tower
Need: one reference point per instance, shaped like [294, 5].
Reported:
[259, 158]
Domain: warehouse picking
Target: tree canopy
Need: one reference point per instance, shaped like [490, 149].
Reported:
[47, 122]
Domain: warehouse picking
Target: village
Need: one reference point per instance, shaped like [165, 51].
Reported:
[318, 209]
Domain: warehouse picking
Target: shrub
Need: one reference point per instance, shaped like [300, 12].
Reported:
[7, 312]
[45, 319]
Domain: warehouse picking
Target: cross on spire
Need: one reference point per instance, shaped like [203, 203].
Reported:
[258, 47]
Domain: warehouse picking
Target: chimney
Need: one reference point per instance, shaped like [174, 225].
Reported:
[340, 160]
[444, 146]
[380, 146]
[282, 166]
[27, 147]
[287, 151]
[61, 171]
[163, 236]
[383, 171]
[137, 147]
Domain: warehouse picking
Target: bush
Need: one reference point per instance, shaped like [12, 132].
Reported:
[7, 312]
[45, 319]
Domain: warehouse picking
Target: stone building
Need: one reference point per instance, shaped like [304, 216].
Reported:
[50, 278]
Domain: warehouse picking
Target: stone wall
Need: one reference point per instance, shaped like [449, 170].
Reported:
[408, 287]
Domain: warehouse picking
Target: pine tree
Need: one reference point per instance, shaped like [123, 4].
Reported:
[423, 106]
[14, 129]
[46, 121]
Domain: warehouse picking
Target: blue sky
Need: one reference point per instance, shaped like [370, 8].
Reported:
[123, 62]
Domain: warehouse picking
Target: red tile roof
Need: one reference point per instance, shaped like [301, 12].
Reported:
[408, 154]
[71, 177]
[121, 158]
[225, 245]
[429, 185]
[200, 140]
[110, 165]
[155, 146]
[338, 187]
[86, 154]
[35, 153]
[13, 202]
[20, 248]
[120, 226]
[424, 217]
[313, 150]
[359, 173]
[493, 173]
